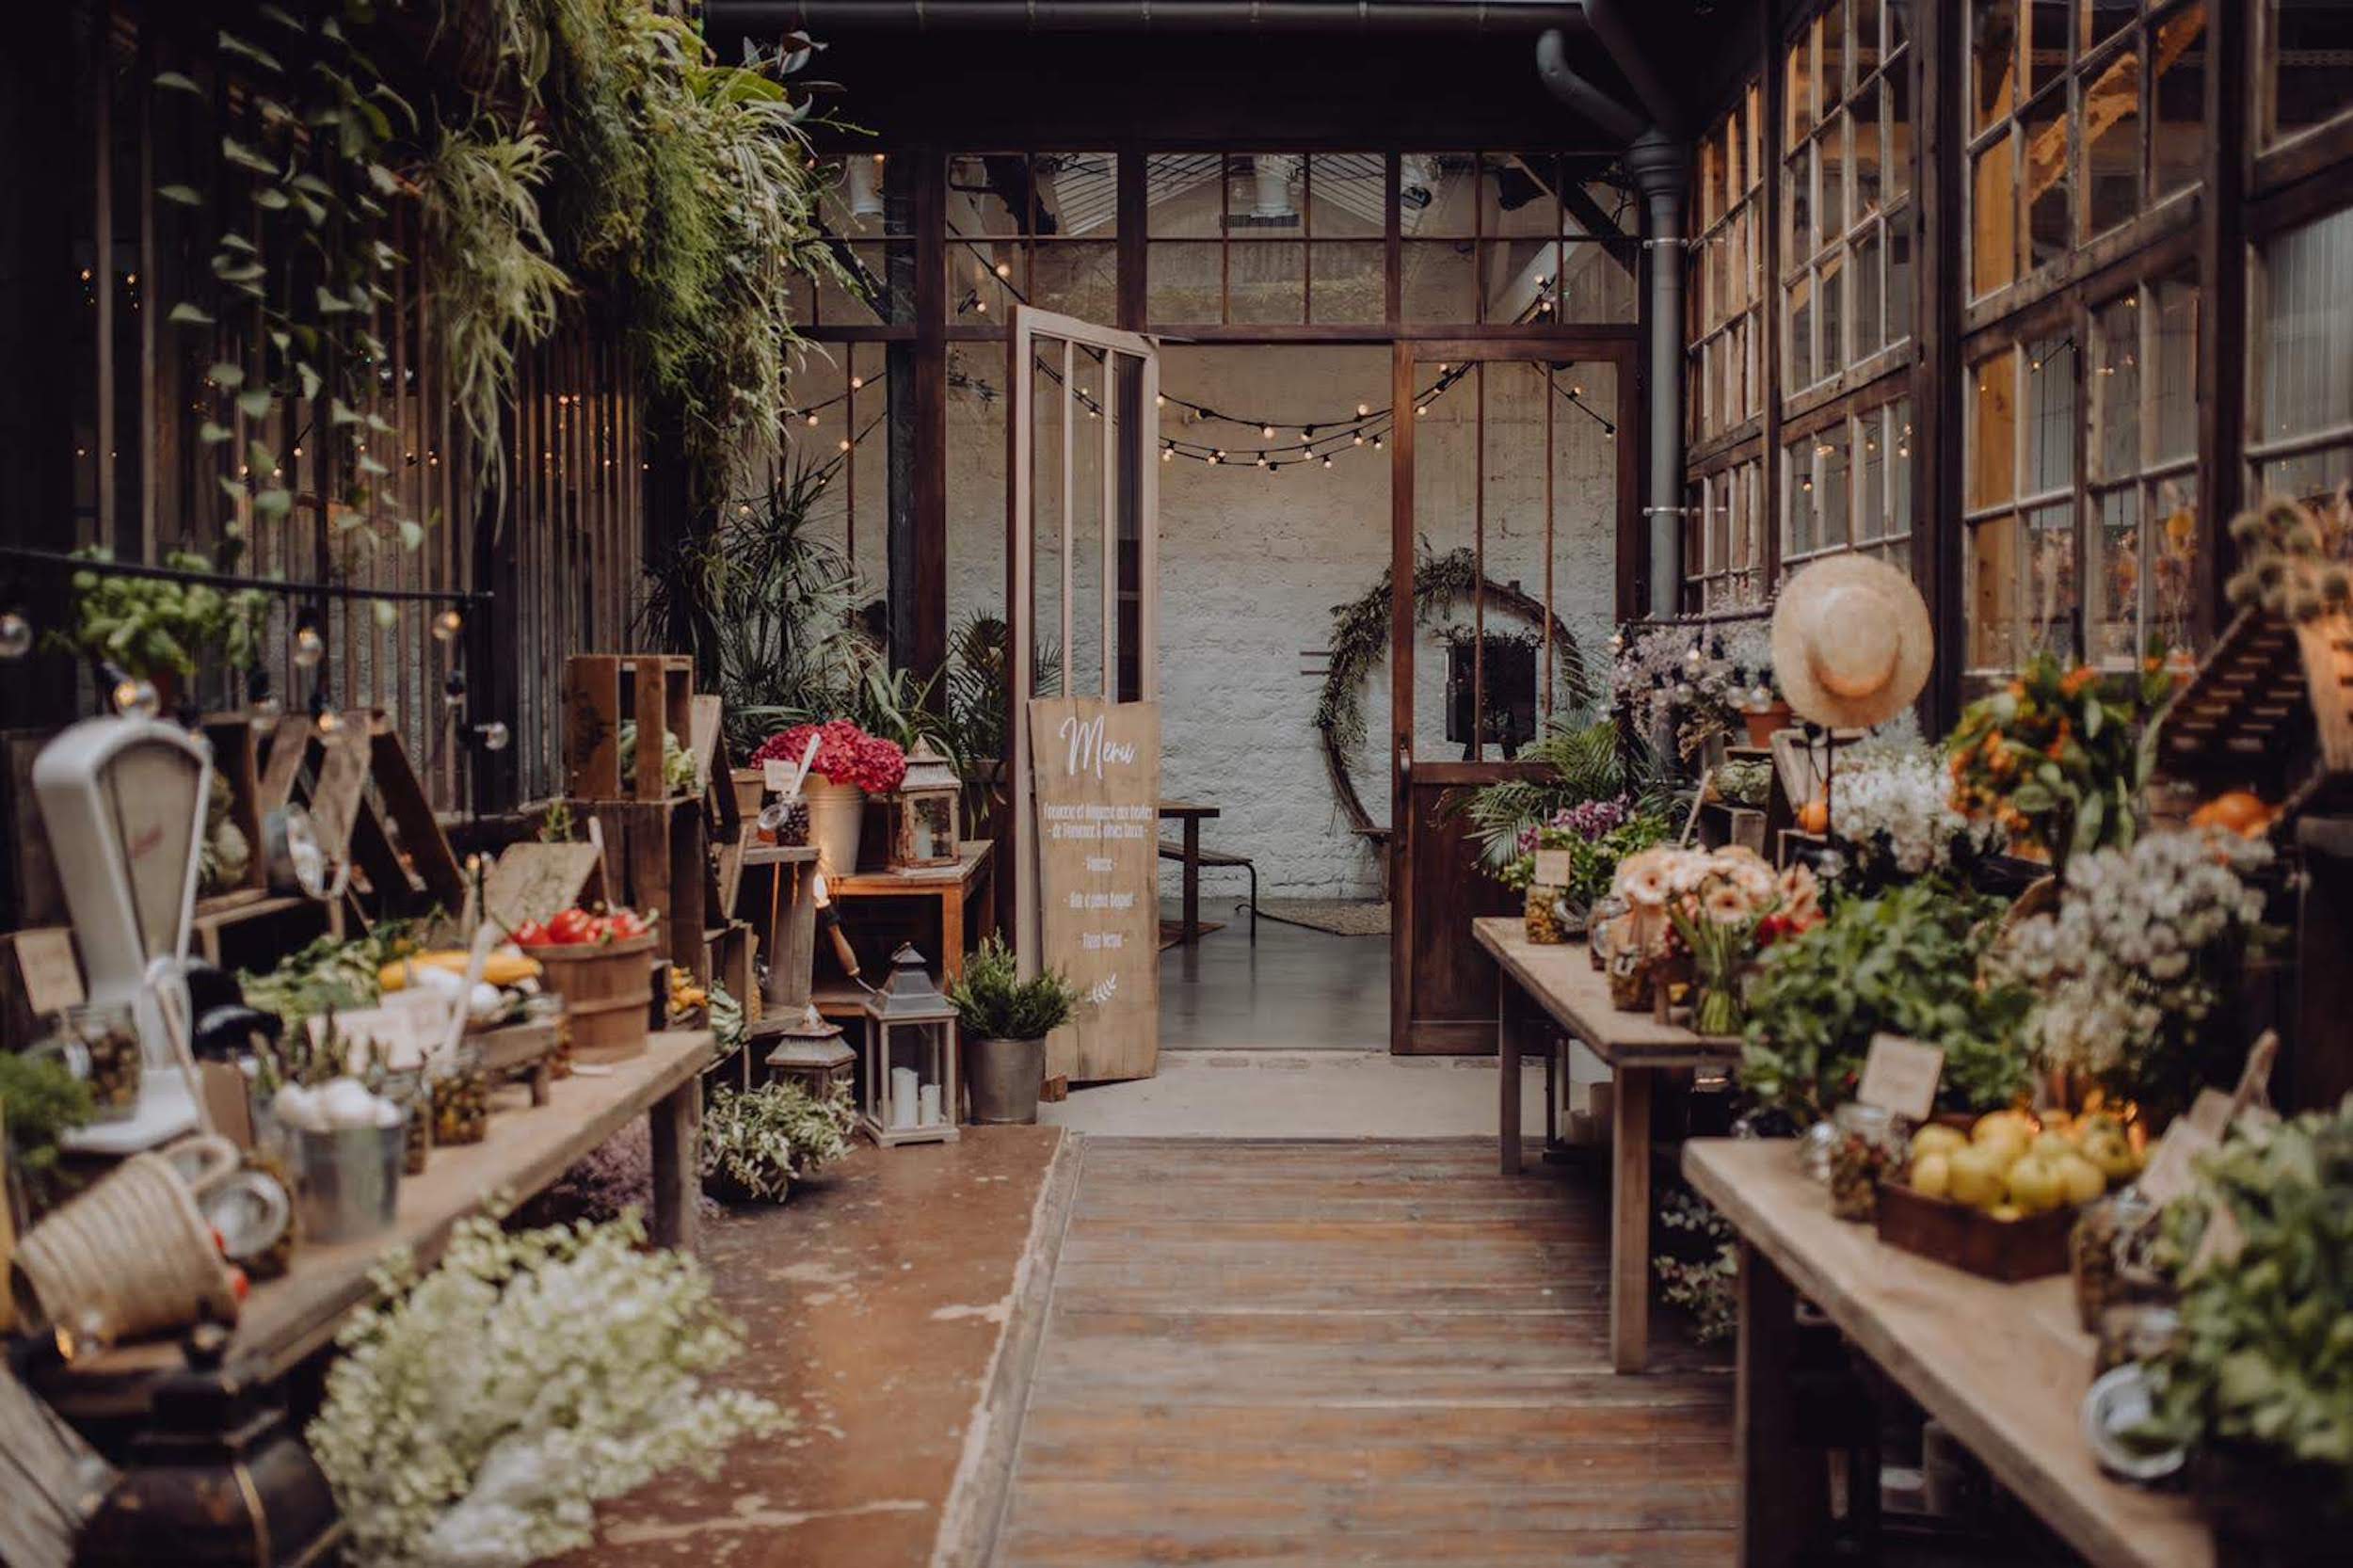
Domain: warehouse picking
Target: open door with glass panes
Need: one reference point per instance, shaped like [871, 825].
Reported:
[1081, 591]
[1514, 538]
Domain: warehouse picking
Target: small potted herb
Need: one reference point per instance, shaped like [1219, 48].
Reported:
[1006, 1020]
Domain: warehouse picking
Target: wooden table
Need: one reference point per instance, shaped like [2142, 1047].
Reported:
[1189, 815]
[1560, 982]
[287, 1319]
[951, 886]
[2005, 1366]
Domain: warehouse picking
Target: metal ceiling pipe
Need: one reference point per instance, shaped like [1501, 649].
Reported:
[1661, 166]
[1552, 69]
[1610, 27]
[824, 18]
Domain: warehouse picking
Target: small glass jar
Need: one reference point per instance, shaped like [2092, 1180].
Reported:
[1598, 920]
[99, 1044]
[462, 1102]
[1549, 918]
[407, 1088]
[2107, 1255]
[1868, 1142]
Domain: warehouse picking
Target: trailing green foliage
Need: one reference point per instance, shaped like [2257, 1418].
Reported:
[495, 287]
[1905, 963]
[2264, 1363]
[150, 626]
[994, 1002]
[757, 1143]
[41, 1102]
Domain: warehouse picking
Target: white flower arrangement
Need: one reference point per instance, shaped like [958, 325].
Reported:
[2130, 955]
[1891, 803]
[476, 1418]
[1696, 682]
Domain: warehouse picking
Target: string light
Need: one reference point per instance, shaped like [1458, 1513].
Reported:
[1267, 430]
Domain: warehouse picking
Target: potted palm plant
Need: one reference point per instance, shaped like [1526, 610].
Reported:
[1006, 1020]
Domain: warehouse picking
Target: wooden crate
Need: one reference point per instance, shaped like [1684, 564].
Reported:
[732, 961]
[601, 690]
[1965, 1238]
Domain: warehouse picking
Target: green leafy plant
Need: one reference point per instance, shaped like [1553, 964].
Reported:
[1708, 1285]
[2264, 1364]
[154, 628]
[41, 1102]
[757, 1143]
[2055, 757]
[1585, 761]
[994, 1002]
[496, 288]
[1905, 963]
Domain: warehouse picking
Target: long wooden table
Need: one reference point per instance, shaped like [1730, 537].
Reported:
[2005, 1366]
[528, 1148]
[1558, 982]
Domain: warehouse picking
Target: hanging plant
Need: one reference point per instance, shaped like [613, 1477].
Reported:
[299, 271]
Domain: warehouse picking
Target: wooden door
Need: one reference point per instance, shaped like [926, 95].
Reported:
[1515, 530]
[1081, 589]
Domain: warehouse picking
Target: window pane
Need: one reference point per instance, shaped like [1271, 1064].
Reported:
[1799, 349]
[1831, 357]
[1830, 155]
[2112, 144]
[1797, 209]
[1864, 117]
[2307, 377]
[2046, 44]
[1597, 281]
[1868, 333]
[1078, 279]
[1899, 279]
[1899, 472]
[2178, 144]
[1262, 194]
[1990, 567]
[1078, 195]
[2113, 613]
[1182, 195]
[1870, 485]
[1266, 283]
[1897, 86]
[1347, 281]
[1993, 59]
[2175, 370]
[988, 194]
[1993, 219]
[2051, 579]
[1992, 430]
[1345, 194]
[1182, 282]
[2172, 554]
[2047, 454]
[2305, 47]
[1440, 283]
[1832, 508]
[2043, 130]
[1519, 194]
[1799, 90]
[2115, 388]
[2103, 20]
[1797, 536]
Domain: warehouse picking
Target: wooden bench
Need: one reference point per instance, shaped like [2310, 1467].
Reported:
[1193, 859]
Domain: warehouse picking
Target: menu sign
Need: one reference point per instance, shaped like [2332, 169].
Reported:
[1097, 784]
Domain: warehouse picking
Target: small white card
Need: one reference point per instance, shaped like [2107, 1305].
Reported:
[1552, 867]
[776, 774]
[53, 980]
[1899, 1076]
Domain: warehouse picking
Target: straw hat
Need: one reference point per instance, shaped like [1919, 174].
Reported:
[1852, 643]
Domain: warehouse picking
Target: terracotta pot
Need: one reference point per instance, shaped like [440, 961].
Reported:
[1763, 722]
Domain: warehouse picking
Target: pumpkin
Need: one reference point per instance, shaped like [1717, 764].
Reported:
[2239, 811]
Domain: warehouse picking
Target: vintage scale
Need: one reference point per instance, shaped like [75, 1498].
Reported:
[124, 800]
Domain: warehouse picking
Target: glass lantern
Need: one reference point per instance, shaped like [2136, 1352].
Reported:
[924, 813]
[910, 1093]
[810, 1052]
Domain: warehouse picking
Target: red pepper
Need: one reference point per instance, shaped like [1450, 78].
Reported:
[572, 926]
[530, 934]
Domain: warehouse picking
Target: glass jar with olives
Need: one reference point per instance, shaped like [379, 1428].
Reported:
[99, 1042]
[1869, 1144]
[462, 1102]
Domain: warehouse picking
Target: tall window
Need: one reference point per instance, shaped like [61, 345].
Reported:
[1846, 178]
[2300, 431]
[1848, 487]
[2019, 503]
[1723, 539]
[2082, 114]
[1038, 229]
[2141, 453]
[2301, 51]
[1725, 274]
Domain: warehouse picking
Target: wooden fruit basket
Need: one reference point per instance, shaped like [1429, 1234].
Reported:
[1970, 1238]
[607, 992]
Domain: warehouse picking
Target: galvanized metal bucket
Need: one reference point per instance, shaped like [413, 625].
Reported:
[1002, 1076]
[348, 1180]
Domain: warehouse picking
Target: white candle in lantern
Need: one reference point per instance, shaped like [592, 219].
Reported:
[902, 1096]
[927, 1101]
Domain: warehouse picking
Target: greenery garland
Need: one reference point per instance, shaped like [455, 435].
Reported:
[1360, 640]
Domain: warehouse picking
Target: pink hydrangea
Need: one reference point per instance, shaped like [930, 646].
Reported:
[845, 754]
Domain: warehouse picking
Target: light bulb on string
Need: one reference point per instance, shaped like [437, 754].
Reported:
[1168, 455]
[1005, 269]
[1266, 432]
[493, 736]
[135, 699]
[454, 691]
[262, 707]
[856, 382]
[323, 712]
[452, 621]
[1160, 400]
[1694, 656]
[1364, 410]
[1327, 462]
[1216, 457]
[811, 417]
[308, 645]
[16, 635]
[1376, 443]
[1360, 438]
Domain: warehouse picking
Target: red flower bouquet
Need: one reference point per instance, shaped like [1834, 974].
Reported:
[845, 754]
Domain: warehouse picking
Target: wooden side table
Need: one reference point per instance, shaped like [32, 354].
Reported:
[952, 887]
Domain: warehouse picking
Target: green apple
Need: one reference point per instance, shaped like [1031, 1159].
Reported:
[2035, 1185]
[2112, 1153]
[1933, 1174]
[1975, 1176]
[2052, 1145]
[1936, 1137]
[2082, 1180]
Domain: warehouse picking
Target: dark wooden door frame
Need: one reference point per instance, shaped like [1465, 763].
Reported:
[1409, 904]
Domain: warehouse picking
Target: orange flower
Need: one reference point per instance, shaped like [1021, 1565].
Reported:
[2074, 680]
[2018, 688]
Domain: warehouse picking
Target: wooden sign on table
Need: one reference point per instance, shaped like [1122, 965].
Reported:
[1097, 766]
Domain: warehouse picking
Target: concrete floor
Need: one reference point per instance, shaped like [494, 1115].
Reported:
[1303, 1093]
[1294, 989]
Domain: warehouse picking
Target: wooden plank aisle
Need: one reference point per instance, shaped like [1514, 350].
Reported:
[1344, 1353]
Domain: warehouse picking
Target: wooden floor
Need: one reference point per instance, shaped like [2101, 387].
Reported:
[1352, 1352]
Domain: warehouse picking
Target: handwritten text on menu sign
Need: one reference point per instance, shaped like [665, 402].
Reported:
[1096, 768]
